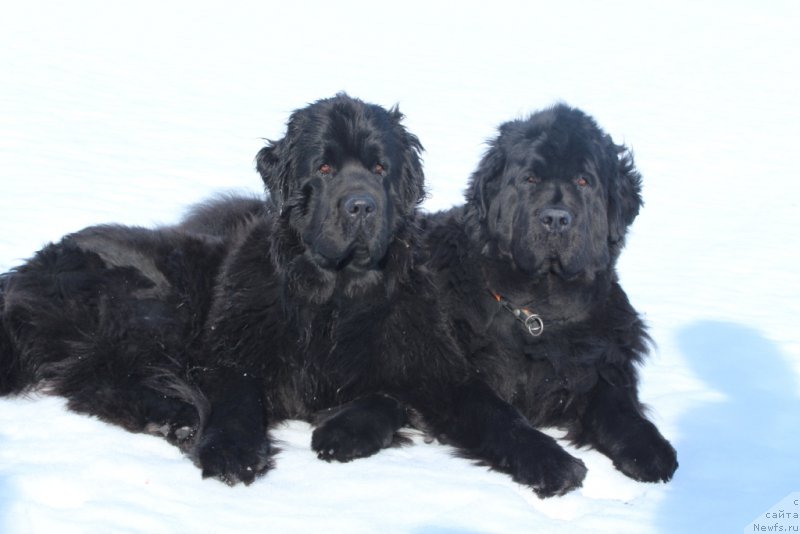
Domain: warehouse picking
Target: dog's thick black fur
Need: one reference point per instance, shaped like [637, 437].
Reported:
[545, 219]
[242, 316]
[107, 318]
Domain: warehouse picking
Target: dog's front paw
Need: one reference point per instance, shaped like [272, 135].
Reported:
[222, 456]
[646, 457]
[538, 461]
[343, 439]
[359, 428]
[550, 471]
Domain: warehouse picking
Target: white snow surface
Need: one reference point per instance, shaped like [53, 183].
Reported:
[129, 112]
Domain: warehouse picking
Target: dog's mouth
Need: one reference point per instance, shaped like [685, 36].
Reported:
[360, 254]
[554, 265]
[358, 257]
[541, 254]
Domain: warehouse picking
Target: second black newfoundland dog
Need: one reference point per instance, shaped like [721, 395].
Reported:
[243, 316]
[526, 271]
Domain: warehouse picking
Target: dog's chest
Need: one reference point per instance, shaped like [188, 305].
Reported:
[541, 374]
[338, 354]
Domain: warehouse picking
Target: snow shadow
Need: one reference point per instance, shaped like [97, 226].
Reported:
[741, 454]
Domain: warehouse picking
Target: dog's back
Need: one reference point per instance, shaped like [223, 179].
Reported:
[223, 215]
[102, 318]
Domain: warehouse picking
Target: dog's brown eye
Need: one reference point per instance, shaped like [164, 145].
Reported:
[582, 181]
[325, 169]
[378, 169]
[533, 179]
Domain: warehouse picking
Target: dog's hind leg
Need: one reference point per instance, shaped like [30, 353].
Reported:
[119, 383]
[94, 333]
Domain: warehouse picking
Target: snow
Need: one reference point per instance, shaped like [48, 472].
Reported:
[128, 113]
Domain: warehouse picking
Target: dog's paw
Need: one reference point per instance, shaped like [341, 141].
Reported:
[550, 471]
[179, 428]
[179, 435]
[646, 458]
[535, 460]
[230, 460]
[359, 428]
[343, 439]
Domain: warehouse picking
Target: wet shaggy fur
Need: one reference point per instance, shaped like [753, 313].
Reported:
[310, 306]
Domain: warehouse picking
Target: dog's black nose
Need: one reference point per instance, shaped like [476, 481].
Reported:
[555, 219]
[359, 206]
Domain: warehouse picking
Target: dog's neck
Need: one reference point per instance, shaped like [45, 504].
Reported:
[553, 298]
[308, 282]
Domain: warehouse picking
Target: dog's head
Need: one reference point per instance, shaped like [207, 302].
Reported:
[345, 179]
[554, 194]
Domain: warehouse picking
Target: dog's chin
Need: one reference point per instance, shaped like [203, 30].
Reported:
[551, 265]
[355, 258]
[360, 258]
[556, 267]
[356, 272]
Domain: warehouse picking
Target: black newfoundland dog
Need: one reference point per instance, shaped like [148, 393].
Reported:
[526, 271]
[246, 315]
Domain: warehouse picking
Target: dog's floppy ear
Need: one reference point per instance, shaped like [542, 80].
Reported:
[413, 182]
[485, 180]
[272, 165]
[624, 196]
